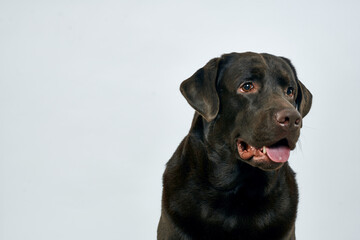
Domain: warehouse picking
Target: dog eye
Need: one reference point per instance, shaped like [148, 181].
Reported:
[290, 91]
[246, 87]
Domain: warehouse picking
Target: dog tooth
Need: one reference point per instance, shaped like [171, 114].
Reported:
[264, 149]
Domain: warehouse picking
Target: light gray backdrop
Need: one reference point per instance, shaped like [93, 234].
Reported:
[90, 108]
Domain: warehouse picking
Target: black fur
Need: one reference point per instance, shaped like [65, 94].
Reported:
[209, 191]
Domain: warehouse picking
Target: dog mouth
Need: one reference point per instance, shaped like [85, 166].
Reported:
[278, 152]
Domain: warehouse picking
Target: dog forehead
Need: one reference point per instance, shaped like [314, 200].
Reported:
[278, 65]
[244, 61]
[251, 65]
[238, 64]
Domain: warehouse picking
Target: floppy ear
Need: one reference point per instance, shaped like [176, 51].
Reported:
[200, 90]
[304, 96]
[304, 99]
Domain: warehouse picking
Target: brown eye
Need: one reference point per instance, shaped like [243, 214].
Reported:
[290, 92]
[246, 87]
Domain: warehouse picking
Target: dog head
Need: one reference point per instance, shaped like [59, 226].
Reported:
[252, 103]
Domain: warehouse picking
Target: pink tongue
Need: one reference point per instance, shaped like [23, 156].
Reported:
[278, 153]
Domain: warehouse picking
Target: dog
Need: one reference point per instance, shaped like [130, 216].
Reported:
[229, 178]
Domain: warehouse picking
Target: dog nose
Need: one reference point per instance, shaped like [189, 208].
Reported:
[288, 118]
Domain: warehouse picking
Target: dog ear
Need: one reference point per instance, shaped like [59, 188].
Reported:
[200, 90]
[304, 96]
[304, 99]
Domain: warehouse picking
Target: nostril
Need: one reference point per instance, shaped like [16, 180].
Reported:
[282, 119]
[288, 118]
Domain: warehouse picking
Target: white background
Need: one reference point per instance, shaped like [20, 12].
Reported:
[90, 108]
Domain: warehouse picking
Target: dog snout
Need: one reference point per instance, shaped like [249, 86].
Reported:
[288, 119]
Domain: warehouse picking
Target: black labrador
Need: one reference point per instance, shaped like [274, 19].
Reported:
[229, 178]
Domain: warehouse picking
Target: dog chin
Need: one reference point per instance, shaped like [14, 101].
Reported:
[263, 164]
